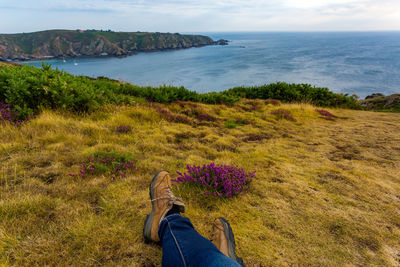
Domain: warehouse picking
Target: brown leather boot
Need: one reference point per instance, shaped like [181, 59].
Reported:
[224, 240]
[162, 200]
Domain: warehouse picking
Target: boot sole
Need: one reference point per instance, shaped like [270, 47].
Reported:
[148, 223]
[231, 241]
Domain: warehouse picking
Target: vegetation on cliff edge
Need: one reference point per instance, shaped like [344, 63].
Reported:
[29, 89]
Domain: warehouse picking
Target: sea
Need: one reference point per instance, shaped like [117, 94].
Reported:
[358, 63]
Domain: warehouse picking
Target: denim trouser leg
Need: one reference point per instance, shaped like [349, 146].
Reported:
[184, 246]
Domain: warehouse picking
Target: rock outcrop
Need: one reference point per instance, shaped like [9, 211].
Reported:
[379, 102]
[375, 95]
[221, 42]
[92, 43]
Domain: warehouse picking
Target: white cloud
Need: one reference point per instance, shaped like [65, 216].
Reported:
[205, 15]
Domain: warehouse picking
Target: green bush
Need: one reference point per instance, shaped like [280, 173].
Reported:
[29, 89]
[296, 93]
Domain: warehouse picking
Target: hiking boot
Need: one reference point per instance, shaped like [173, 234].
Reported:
[162, 200]
[224, 239]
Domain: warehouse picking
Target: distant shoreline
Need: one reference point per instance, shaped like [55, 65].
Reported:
[100, 56]
[62, 44]
[94, 56]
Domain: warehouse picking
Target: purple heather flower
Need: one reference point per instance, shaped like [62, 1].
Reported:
[8, 114]
[325, 113]
[222, 180]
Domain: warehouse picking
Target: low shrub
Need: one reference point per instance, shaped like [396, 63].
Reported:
[217, 180]
[171, 117]
[206, 117]
[242, 122]
[123, 129]
[283, 114]
[326, 114]
[110, 163]
[8, 114]
[231, 124]
[168, 94]
[296, 93]
[193, 110]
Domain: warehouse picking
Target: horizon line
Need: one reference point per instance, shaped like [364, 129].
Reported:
[220, 31]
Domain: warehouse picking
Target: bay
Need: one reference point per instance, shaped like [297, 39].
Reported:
[359, 63]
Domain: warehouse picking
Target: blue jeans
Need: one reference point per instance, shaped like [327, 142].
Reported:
[183, 246]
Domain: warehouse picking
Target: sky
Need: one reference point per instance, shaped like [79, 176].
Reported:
[200, 16]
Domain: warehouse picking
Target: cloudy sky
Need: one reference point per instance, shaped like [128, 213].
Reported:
[200, 16]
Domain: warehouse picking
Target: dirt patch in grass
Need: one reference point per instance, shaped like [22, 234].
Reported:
[253, 137]
[345, 151]
[333, 176]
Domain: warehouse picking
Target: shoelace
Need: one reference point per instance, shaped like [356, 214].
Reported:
[169, 196]
[215, 235]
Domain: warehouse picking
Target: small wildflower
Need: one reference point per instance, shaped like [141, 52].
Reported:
[107, 162]
[326, 114]
[123, 129]
[9, 114]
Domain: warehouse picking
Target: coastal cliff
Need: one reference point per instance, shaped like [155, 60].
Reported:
[92, 43]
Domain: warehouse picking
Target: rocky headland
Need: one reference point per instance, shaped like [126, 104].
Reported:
[92, 43]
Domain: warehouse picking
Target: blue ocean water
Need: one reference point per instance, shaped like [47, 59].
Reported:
[348, 62]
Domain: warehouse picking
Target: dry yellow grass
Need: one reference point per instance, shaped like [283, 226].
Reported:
[4, 64]
[326, 193]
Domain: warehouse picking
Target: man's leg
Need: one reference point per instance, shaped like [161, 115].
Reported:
[184, 246]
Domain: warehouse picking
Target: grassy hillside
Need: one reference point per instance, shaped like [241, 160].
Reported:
[326, 191]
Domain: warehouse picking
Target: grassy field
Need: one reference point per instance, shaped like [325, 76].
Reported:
[326, 192]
